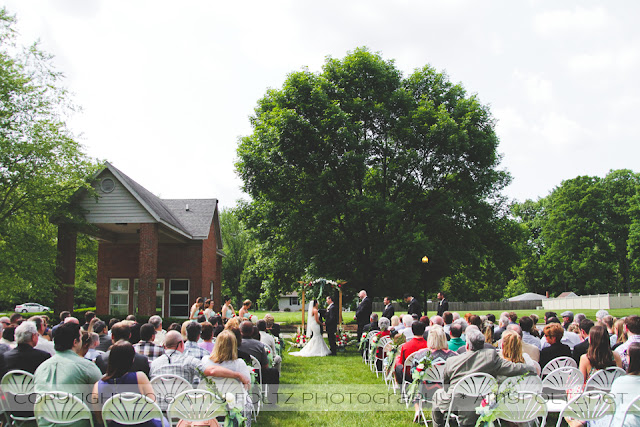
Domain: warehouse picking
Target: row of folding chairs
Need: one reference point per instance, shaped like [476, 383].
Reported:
[175, 397]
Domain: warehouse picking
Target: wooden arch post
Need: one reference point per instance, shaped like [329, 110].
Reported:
[303, 311]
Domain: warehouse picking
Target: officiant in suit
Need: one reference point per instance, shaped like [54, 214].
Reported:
[389, 311]
[331, 318]
[414, 305]
[443, 304]
[363, 312]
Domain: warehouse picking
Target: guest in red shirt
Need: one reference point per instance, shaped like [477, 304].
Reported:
[417, 343]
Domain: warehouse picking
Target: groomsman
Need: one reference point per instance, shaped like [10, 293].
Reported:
[388, 311]
[414, 305]
[363, 312]
[443, 304]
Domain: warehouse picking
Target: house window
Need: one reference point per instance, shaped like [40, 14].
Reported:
[119, 297]
[159, 296]
[179, 298]
[294, 301]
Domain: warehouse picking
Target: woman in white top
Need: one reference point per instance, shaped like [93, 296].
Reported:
[225, 354]
[208, 309]
[512, 350]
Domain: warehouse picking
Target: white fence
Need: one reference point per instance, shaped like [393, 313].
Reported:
[596, 302]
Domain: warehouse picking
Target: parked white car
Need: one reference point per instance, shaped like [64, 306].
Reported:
[31, 307]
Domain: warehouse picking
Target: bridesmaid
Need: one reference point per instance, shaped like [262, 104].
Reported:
[227, 309]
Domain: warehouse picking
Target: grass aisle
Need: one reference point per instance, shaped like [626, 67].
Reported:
[308, 377]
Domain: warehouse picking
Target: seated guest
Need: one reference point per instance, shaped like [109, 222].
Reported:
[373, 325]
[94, 340]
[8, 336]
[191, 347]
[396, 325]
[632, 332]
[225, 355]
[272, 327]
[447, 317]
[207, 337]
[599, 354]
[233, 323]
[43, 343]
[569, 338]
[121, 331]
[16, 319]
[581, 348]
[475, 359]
[511, 350]
[268, 340]
[218, 326]
[407, 331]
[456, 333]
[174, 327]
[526, 324]
[574, 328]
[112, 322]
[120, 379]
[134, 327]
[463, 349]
[147, 346]
[503, 322]
[383, 325]
[437, 344]
[88, 317]
[528, 349]
[25, 356]
[63, 315]
[416, 343]
[100, 328]
[156, 321]
[553, 333]
[175, 361]
[66, 371]
[256, 349]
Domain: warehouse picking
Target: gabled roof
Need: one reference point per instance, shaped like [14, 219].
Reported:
[528, 296]
[567, 295]
[193, 223]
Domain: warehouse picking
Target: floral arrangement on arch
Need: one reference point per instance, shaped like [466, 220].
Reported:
[315, 288]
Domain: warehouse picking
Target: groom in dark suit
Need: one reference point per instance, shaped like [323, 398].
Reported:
[331, 317]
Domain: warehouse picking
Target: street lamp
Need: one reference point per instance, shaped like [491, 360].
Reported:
[425, 261]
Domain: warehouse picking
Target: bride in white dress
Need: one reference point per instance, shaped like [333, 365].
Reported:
[315, 346]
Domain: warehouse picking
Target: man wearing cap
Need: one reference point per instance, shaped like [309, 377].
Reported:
[567, 318]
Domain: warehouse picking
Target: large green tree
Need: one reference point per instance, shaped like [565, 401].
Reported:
[356, 173]
[581, 237]
[41, 164]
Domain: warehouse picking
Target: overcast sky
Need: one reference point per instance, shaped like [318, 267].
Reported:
[167, 88]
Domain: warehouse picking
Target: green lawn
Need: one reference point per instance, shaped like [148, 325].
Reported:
[306, 382]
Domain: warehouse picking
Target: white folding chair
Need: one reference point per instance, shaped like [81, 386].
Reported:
[633, 409]
[385, 343]
[472, 385]
[408, 363]
[166, 387]
[434, 375]
[603, 379]
[18, 386]
[588, 406]
[527, 384]
[196, 405]
[367, 345]
[61, 408]
[130, 408]
[261, 386]
[558, 362]
[563, 380]
[522, 408]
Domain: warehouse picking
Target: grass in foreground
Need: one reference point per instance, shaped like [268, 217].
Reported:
[332, 374]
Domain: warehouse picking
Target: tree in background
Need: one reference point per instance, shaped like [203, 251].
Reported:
[356, 172]
[582, 237]
[41, 166]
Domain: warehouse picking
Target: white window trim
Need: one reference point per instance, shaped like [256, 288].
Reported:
[119, 293]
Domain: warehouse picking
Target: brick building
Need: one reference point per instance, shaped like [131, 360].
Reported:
[154, 255]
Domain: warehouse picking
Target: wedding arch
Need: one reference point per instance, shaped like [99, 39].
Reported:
[315, 289]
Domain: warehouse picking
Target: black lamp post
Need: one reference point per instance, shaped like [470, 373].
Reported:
[425, 261]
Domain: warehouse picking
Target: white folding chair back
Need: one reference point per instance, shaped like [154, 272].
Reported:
[588, 406]
[130, 408]
[632, 410]
[367, 346]
[166, 387]
[472, 385]
[524, 407]
[603, 379]
[196, 405]
[558, 362]
[417, 355]
[563, 380]
[434, 375]
[386, 344]
[61, 408]
[233, 386]
[528, 384]
[19, 384]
